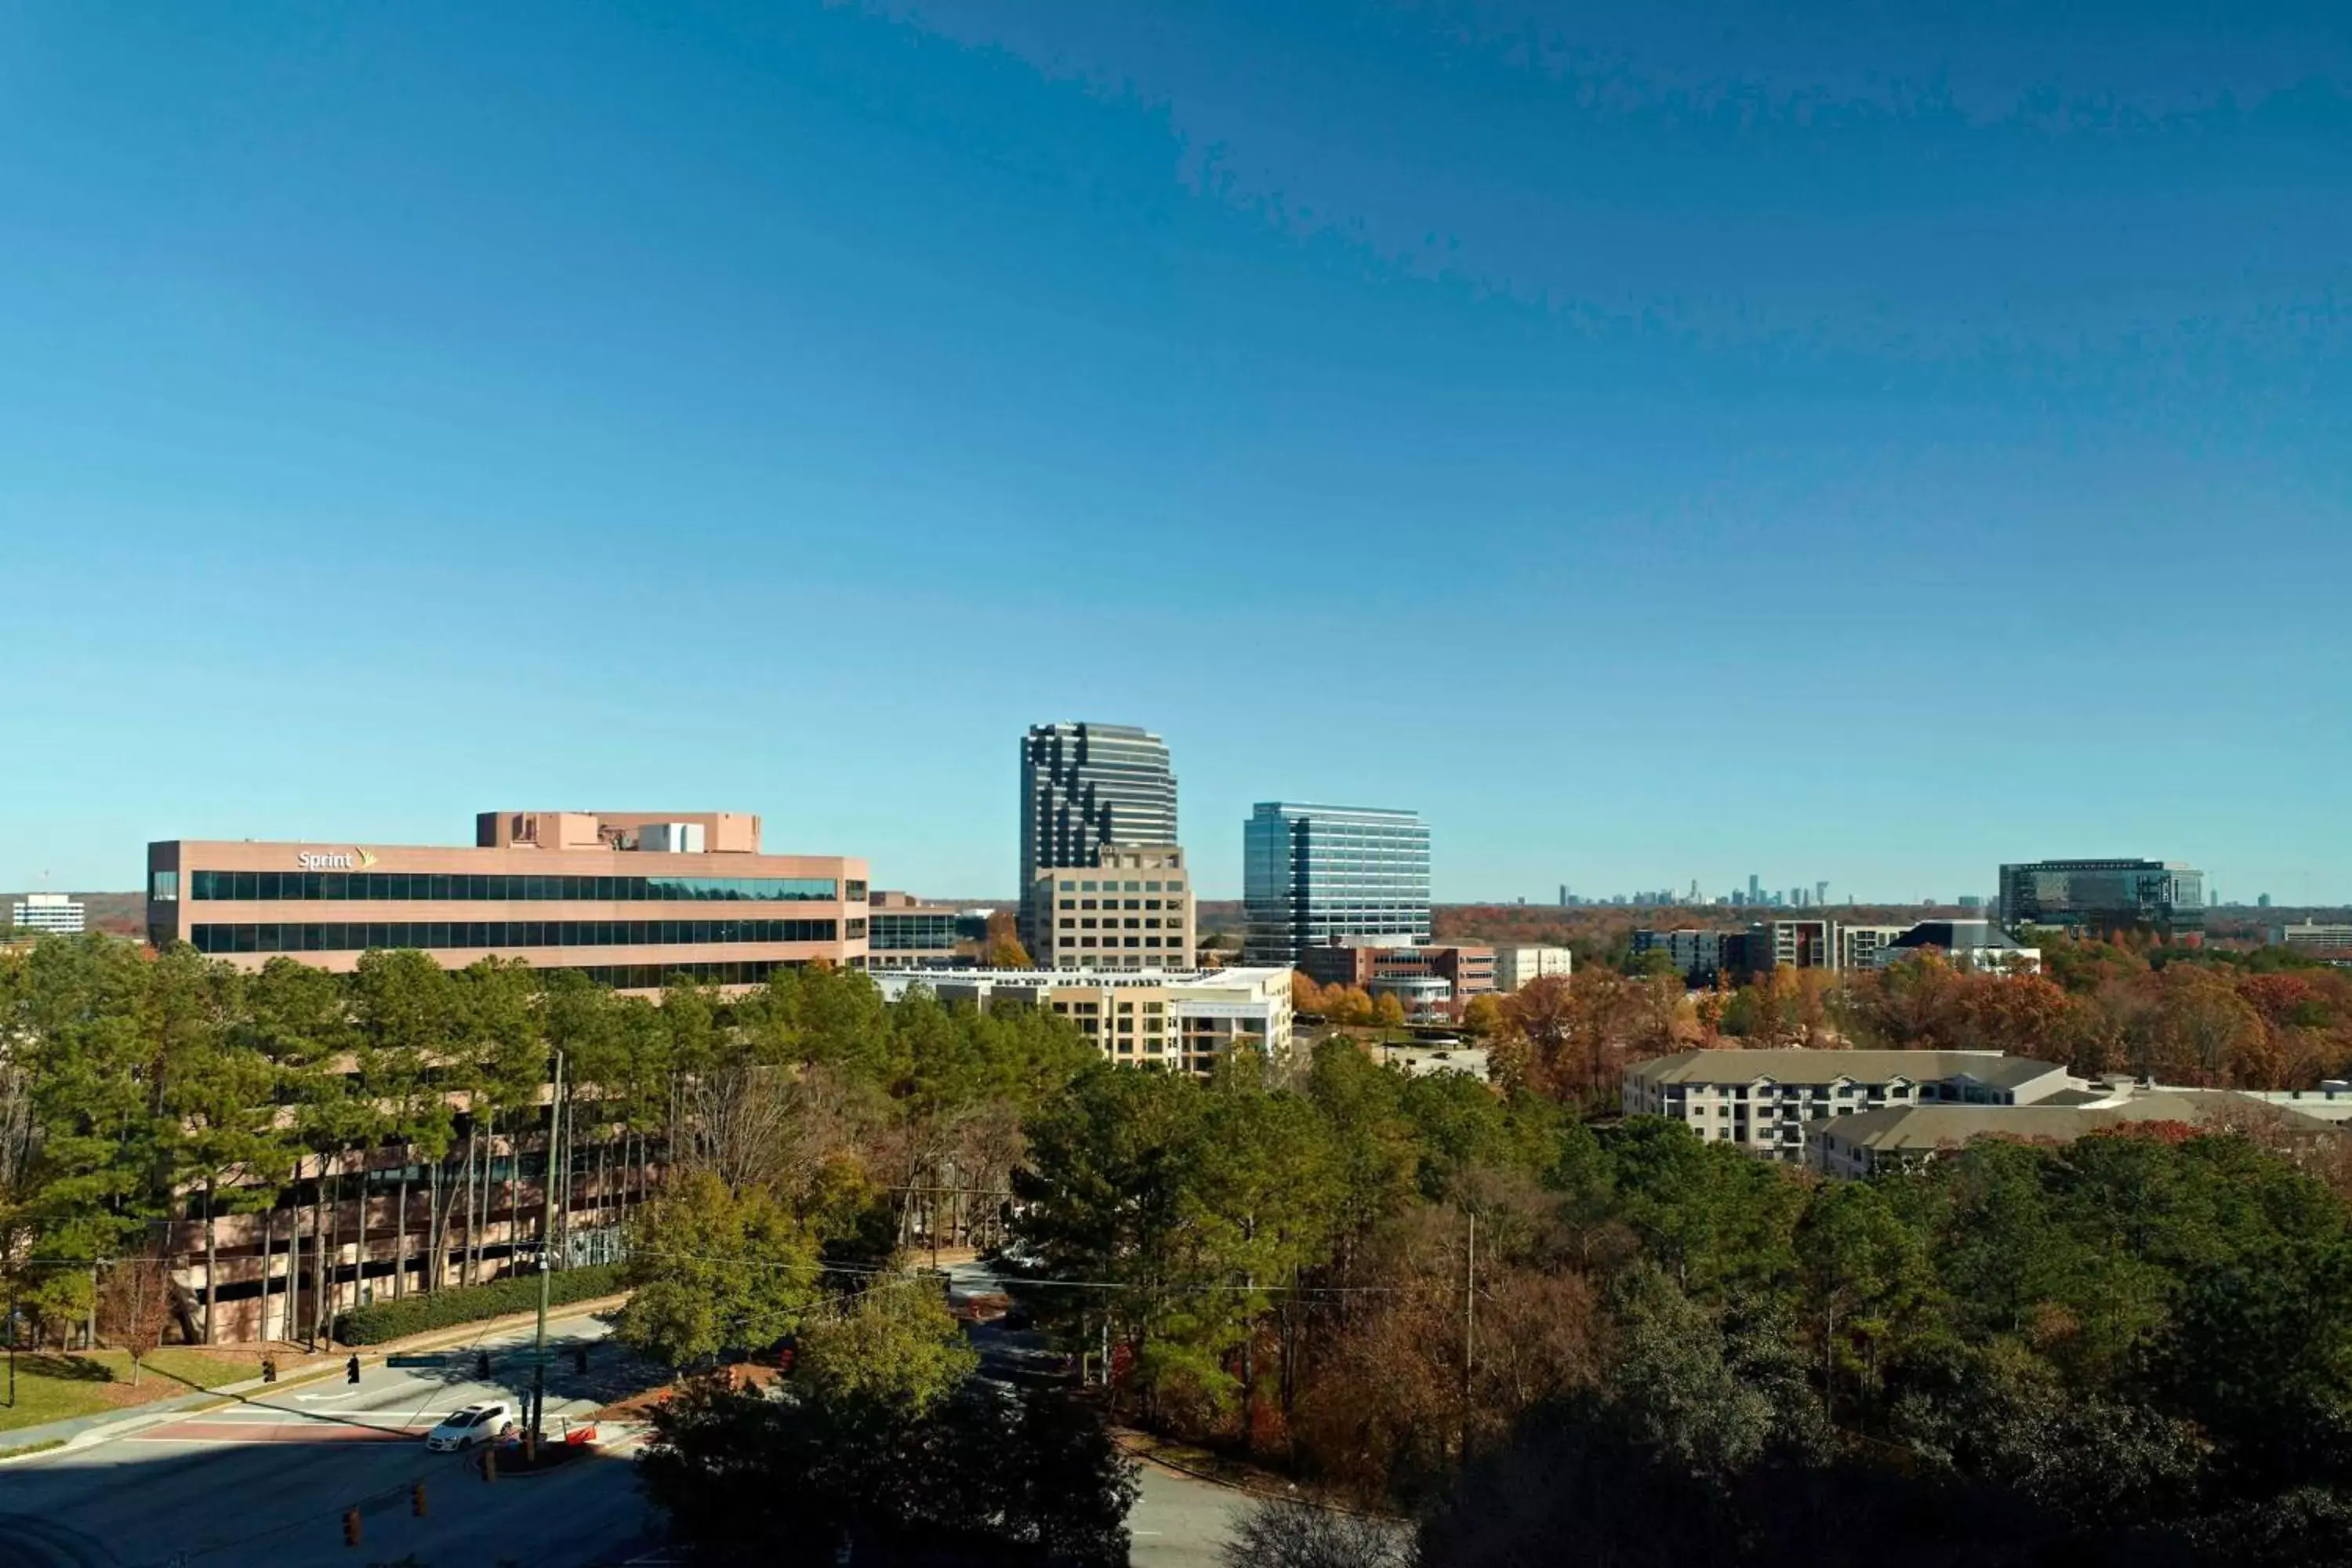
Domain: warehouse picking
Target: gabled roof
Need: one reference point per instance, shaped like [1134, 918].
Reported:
[1911, 1127]
[1733, 1067]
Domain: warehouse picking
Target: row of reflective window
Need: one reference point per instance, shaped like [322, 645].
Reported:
[1074, 885]
[1114, 903]
[1088, 939]
[358, 936]
[411, 887]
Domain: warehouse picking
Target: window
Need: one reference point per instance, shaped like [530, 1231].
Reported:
[853, 891]
[394, 887]
[462, 935]
[1090, 887]
[1134, 887]
[1070, 903]
[164, 886]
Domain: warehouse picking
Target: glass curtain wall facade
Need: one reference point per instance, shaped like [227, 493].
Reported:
[1084, 786]
[1313, 874]
[2105, 895]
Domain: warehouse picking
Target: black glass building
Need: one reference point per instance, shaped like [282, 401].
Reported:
[2105, 895]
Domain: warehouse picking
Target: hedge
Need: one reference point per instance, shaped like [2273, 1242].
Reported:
[374, 1324]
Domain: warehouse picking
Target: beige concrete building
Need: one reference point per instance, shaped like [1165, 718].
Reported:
[1182, 1020]
[1904, 1136]
[628, 898]
[1131, 910]
[1515, 966]
[1762, 1100]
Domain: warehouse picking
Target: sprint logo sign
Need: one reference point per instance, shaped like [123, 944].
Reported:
[336, 860]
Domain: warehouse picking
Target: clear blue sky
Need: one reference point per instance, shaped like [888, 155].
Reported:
[1868, 443]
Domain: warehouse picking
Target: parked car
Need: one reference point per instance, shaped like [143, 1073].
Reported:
[461, 1429]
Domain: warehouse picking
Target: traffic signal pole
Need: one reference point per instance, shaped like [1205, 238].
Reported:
[546, 1273]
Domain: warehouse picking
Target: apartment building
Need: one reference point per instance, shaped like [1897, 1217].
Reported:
[1762, 1100]
[1858, 945]
[1180, 1020]
[1873, 1142]
[1972, 945]
[1132, 909]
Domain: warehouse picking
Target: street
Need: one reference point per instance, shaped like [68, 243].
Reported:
[266, 1481]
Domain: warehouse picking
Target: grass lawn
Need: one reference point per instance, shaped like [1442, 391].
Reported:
[52, 1387]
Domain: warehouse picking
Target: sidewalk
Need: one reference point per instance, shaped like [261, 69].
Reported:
[81, 1431]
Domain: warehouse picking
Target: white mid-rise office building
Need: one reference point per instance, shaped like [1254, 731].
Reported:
[49, 912]
[1515, 966]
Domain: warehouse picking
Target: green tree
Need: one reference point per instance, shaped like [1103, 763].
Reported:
[895, 1346]
[713, 1269]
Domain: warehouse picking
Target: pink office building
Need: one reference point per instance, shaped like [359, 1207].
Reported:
[628, 898]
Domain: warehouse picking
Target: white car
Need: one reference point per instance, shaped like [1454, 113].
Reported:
[461, 1429]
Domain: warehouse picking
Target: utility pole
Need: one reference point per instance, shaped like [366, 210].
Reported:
[546, 1271]
[1469, 1314]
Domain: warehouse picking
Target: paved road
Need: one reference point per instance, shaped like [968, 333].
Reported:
[266, 1481]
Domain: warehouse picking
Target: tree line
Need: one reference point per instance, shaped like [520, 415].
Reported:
[1551, 1339]
[146, 1096]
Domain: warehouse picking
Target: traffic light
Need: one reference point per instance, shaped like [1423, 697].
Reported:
[352, 1370]
[417, 1499]
[350, 1527]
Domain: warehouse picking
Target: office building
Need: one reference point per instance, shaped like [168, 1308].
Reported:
[904, 932]
[1132, 909]
[1762, 1100]
[1178, 1019]
[1971, 944]
[2332, 942]
[1314, 874]
[1429, 980]
[52, 914]
[1516, 965]
[1703, 958]
[2105, 895]
[627, 898]
[1083, 786]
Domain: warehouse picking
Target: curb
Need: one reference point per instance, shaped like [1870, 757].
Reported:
[234, 1394]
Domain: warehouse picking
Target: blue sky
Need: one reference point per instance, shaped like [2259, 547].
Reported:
[1870, 443]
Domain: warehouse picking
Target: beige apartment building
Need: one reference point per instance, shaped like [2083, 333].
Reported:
[1180, 1020]
[627, 898]
[1762, 1100]
[1133, 909]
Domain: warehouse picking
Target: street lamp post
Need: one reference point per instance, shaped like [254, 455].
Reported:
[546, 1272]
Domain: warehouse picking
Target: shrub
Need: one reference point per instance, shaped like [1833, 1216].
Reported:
[372, 1325]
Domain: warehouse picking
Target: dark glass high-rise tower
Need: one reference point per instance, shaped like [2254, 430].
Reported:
[1085, 786]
